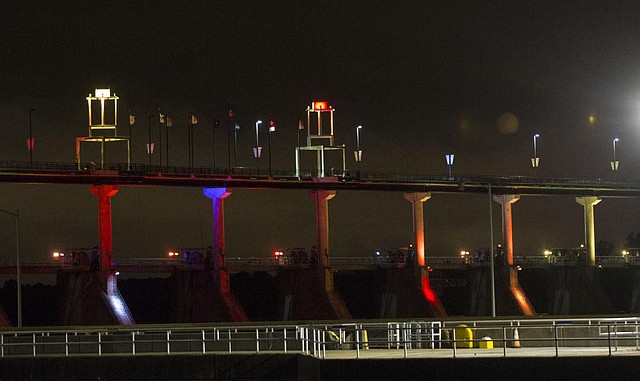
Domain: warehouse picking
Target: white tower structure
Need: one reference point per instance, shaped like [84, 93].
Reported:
[318, 139]
[103, 127]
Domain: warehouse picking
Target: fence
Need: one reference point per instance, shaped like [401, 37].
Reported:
[402, 339]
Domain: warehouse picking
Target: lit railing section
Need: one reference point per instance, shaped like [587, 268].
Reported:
[366, 339]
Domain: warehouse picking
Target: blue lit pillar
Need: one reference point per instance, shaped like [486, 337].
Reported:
[217, 196]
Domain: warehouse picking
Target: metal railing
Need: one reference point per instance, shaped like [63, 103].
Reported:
[399, 339]
[177, 340]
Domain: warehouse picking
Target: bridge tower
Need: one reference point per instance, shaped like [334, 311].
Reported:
[318, 139]
[103, 129]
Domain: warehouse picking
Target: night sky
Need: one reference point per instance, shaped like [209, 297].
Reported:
[421, 76]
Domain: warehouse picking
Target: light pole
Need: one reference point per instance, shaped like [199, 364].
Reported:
[535, 160]
[235, 144]
[449, 157]
[358, 152]
[272, 129]
[615, 162]
[149, 146]
[257, 150]
[16, 214]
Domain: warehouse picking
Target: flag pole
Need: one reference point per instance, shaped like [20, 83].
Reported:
[228, 134]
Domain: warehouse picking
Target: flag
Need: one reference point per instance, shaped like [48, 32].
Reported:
[300, 124]
[230, 113]
[169, 122]
[161, 117]
[132, 120]
[194, 120]
[272, 125]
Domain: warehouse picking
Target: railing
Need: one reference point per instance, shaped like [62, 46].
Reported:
[399, 339]
[139, 341]
[123, 169]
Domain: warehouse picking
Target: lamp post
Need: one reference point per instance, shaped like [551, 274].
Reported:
[149, 145]
[31, 144]
[615, 162]
[358, 152]
[235, 144]
[448, 158]
[16, 214]
[257, 150]
[535, 160]
[272, 129]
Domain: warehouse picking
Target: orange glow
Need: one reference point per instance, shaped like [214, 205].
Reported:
[320, 106]
[428, 292]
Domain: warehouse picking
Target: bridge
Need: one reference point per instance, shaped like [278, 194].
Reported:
[253, 264]
[250, 178]
[218, 183]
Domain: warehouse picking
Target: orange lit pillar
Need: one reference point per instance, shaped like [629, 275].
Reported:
[321, 198]
[217, 196]
[417, 198]
[589, 225]
[104, 194]
[505, 200]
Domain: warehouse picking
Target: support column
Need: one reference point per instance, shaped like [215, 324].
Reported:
[217, 196]
[104, 194]
[588, 203]
[321, 198]
[417, 198]
[507, 224]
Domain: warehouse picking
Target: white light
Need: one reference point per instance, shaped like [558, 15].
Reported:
[103, 93]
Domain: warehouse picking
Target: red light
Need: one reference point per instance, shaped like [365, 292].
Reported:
[278, 253]
[272, 125]
[428, 292]
[320, 105]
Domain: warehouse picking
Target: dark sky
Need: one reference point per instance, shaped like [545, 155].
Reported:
[412, 73]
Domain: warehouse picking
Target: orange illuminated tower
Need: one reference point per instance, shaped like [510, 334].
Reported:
[318, 139]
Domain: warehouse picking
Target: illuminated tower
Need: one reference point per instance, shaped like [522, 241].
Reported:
[103, 126]
[319, 140]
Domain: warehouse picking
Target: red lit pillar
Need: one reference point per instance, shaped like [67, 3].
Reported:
[217, 196]
[507, 223]
[321, 198]
[417, 199]
[104, 194]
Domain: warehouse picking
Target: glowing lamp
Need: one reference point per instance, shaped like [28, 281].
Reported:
[278, 253]
[103, 93]
[320, 106]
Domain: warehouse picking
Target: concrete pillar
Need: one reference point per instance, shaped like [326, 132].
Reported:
[217, 196]
[321, 198]
[588, 202]
[104, 194]
[417, 198]
[507, 223]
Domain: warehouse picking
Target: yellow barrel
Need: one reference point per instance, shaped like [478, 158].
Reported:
[463, 336]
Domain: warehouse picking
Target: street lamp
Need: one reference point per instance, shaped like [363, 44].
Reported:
[449, 160]
[16, 214]
[535, 160]
[235, 144]
[615, 162]
[358, 152]
[272, 129]
[257, 150]
[149, 144]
